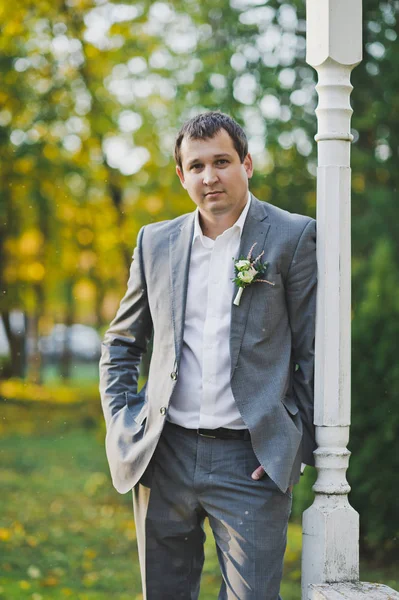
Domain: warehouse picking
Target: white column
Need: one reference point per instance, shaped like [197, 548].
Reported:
[330, 525]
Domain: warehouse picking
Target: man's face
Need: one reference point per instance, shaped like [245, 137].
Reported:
[213, 175]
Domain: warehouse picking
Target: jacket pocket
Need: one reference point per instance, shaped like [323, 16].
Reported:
[137, 405]
[290, 405]
[142, 415]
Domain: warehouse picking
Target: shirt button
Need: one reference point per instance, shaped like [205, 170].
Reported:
[173, 375]
[162, 410]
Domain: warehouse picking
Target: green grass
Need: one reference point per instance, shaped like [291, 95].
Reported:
[65, 532]
[79, 371]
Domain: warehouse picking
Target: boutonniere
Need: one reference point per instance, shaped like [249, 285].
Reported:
[247, 271]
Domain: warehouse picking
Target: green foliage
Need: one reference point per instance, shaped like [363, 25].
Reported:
[375, 285]
[375, 423]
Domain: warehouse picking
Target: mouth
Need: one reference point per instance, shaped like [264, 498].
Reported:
[213, 194]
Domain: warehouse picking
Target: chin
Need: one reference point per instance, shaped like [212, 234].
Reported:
[218, 203]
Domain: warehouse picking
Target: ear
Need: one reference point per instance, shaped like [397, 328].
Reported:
[180, 175]
[248, 166]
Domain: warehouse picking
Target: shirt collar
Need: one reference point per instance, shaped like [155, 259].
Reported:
[238, 224]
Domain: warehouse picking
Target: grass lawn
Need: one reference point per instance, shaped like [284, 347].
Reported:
[65, 532]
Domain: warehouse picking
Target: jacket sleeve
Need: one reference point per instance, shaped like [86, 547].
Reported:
[301, 302]
[125, 342]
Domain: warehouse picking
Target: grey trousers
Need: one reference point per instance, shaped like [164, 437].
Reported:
[190, 478]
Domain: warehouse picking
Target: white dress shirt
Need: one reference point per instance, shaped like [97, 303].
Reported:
[202, 397]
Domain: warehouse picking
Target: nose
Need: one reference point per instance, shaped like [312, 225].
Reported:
[210, 176]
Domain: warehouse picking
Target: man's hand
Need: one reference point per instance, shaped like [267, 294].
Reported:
[260, 471]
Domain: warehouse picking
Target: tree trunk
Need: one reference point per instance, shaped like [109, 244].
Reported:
[34, 357]
[17, 343]
[66, 358]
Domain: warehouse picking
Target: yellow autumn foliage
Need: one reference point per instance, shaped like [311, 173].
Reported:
[21, 391]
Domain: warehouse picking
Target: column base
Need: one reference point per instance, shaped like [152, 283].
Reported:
[357, 590]
[330, 550]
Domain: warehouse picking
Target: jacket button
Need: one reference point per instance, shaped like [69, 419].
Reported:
[162, 410]
[173, 375]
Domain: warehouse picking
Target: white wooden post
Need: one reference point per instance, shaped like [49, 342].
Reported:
[330, 525]
[330, 557]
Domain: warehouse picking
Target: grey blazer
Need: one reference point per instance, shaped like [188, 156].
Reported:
[271, 345]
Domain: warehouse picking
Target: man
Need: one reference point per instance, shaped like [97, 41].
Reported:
[226, 417]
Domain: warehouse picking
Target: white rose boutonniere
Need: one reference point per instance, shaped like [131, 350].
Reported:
[247, 271]
[242, 265]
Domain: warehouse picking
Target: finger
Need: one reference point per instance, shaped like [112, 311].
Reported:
[291, 488]
[258, 473]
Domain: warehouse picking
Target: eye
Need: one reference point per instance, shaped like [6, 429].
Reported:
[195, 167]
[222, 161]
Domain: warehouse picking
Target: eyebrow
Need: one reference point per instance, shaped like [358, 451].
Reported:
[215, 156]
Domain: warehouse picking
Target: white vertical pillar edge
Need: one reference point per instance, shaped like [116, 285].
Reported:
[331, 525]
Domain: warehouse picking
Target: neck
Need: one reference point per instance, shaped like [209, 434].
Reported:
[214, 225]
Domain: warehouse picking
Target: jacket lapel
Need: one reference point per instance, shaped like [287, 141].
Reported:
[180, 243]
[255, 229]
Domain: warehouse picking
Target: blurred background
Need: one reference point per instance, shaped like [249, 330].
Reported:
[92, 94]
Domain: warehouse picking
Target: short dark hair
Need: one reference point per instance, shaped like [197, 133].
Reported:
[207, 125]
